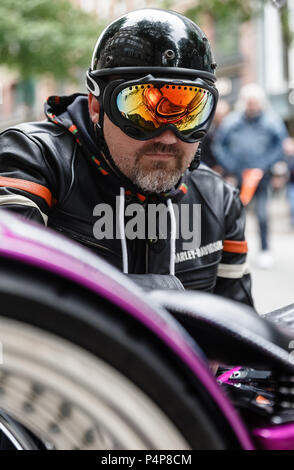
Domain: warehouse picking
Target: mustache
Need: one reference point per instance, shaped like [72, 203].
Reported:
[159, 147]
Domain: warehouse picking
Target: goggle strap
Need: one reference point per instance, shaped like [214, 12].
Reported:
[95, 85]
[174, 71]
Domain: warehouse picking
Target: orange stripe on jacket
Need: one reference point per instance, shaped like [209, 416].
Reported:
[235, 246]
[28, 186]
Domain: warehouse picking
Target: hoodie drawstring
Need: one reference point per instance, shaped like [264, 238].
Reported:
[172, 237]
[122, 230]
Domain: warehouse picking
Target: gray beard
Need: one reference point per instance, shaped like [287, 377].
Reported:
[155, 181]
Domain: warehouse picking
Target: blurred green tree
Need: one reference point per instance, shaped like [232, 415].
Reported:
[46, 36]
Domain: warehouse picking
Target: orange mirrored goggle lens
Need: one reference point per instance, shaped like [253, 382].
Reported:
[150, 106]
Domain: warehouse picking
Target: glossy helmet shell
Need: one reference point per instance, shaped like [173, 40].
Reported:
[153, 38]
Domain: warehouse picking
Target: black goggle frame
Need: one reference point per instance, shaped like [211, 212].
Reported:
[107, 92]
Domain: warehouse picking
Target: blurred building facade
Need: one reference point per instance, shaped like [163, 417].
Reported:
[256, 52]
[248, 52]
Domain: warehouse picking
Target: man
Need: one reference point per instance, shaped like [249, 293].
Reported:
[252, 138]
[134, 142]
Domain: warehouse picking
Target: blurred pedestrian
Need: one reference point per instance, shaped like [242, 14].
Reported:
[247, 144]
[288, 146]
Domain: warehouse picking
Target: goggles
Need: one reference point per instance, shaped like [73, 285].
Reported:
[146, 107]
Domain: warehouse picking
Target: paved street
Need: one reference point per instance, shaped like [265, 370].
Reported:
[274, 287]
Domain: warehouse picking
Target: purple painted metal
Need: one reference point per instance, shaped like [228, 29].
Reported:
[276, 437]
[225, 377]
[32, 244]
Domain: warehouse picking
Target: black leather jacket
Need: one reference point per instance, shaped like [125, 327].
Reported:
[52, 172]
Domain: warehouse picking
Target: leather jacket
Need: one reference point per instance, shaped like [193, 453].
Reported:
[53, 172]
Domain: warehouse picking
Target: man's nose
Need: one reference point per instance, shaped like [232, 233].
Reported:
[167, 137]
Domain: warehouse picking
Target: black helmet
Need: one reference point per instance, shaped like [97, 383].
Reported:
[154, 41]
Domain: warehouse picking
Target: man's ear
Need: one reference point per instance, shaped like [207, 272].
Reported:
[94, 108]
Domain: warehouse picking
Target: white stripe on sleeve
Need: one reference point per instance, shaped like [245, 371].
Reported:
[233, 271]
[17, 199]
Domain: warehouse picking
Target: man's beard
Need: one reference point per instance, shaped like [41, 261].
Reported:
[158, 175]
[156, 180]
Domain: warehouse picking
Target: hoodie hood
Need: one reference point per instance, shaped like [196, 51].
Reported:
[71, 112]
